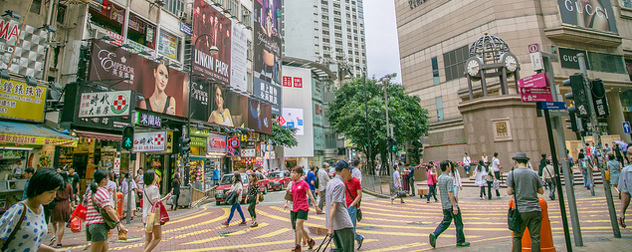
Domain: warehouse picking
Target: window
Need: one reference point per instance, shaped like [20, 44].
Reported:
[627, 3]
[454, 62]
[174, 6]
[608, 63]
[435, 71]
[439, 102]
[61, 14]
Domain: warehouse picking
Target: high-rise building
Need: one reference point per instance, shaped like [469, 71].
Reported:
[326, 31]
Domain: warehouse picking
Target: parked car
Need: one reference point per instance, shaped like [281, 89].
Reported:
[278, 180]
[331, 172]
[264, 183]
[224, 186]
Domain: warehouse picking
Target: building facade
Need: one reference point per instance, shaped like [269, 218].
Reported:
[435, 39]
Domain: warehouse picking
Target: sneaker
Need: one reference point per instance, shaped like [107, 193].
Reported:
[297, 249]
[432, 239]
[226, 223]
[463, 244]
[254, 224]
[311, 243]
[360, 242]
[52, 241]
[242, 223]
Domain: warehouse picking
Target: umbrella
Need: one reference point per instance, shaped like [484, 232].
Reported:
[622, 144]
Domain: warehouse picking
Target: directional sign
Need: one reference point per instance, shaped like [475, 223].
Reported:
[626, 128]
[551, 105]
[540, 80]
[536, 61]
[536, 95]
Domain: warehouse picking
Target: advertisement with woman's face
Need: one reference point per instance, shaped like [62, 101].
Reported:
[267, 41]
[228, 108]
[161, 86]
[593, 14]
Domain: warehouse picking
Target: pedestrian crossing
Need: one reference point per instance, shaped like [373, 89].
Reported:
[385, 226]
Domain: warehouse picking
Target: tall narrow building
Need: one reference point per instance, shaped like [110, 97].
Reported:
[330, 32]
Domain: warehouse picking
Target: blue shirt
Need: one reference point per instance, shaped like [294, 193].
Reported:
[311, 177]
[216, 174]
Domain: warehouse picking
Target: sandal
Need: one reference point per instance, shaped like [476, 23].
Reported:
[311, 243]
[52, 241]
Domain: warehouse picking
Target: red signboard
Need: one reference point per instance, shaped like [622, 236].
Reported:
[281, 121]
[298, 82]
[540, 80]
[536, 95]
[287, 81]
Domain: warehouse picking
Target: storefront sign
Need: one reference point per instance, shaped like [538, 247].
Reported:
[596, 15]
[185, 28]
[233, 142]
[216, 144]
[198, 141]
[148, 120]
[199, 132]
[117, 165]
[149, 141]
[270, 93]
[22, 102]
[35, 140]
[28, 54]
[569, 59]
[168, 45]
[248, 153]
[105, 104]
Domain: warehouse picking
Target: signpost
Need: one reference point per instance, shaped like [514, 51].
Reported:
[551, 105]
[536, 57]
[626, 128]
[536, 95]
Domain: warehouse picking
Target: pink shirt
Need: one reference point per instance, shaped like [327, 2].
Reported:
[432, 179]
[299, 196]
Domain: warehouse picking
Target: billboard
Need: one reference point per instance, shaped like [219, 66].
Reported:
[226, 108]
[596, 14]
[267, 40]
[298, 109]
[293, 119]
[28, 53]
[211, 29]
[260, 116]
[239, 58]
[19, 101]
[270, 93]
[164, 89]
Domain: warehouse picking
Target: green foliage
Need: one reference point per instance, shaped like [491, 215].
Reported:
[347, 114]
[282, 136]
[415, 152]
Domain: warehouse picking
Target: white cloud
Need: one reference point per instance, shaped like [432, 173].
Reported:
[381, 38]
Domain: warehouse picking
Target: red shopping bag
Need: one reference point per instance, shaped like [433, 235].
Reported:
[164, 216]
[75, 225]
[80, 212]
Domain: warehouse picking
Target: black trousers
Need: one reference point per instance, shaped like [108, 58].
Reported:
[175, 201]
[489, 189]
[411, 182]
[251, 208]
[432, 192]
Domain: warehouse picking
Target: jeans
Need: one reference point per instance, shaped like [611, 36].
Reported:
[343, 239]
[586, 180]
[321, 201]
[309, 201]
[448, 215]
[467, 168]
[489, 189]
[251, 208]
[353, 213]
[532, 220]
[551, 183]
[432, 190]
[237, 207]
[411, 181]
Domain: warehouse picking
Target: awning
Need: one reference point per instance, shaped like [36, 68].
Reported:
[100, 136]
[33, 134]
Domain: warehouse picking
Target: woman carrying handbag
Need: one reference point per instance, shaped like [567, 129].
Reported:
[253, 198]
[236, 189]
[100, 213]
[153, 207]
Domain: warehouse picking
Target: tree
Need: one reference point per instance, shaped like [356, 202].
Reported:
[282, 136]
[348, 114]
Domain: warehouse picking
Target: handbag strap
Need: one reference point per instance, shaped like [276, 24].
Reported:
[352, 198]
[15, 230]
[153, 204]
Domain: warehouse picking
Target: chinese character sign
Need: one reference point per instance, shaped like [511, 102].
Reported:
[150, 141]
[270, 93]
[105, 104]
[22, 102]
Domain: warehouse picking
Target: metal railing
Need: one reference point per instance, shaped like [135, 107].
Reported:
[375, 183]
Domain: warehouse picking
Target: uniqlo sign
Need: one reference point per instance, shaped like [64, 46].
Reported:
[287, 81]
[298, 82]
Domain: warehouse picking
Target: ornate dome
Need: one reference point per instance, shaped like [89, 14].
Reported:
[489, 49]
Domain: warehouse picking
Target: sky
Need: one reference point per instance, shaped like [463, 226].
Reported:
[382, 47]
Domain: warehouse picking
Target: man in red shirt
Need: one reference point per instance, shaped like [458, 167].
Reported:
[432, 182]
[353, 196]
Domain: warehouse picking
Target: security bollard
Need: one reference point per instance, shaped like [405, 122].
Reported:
[546, 237]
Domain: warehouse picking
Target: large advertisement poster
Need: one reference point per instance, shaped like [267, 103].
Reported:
[268, 92]
[227, 108]
[239, 58]
[594, 14]
[28, 54]
[260, 116]
[164, 89]
[19, 101]
[211, 29]
[267, 40]
[293, 119]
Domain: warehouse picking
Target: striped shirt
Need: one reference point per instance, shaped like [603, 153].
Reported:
[102, 199]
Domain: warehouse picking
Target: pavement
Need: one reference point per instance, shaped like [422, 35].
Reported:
[385, 226]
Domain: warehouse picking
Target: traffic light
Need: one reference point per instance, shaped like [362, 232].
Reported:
[600, 102]
[573, 120]
[128, 138]
[184, 145]
[578, 94]
[392, 144]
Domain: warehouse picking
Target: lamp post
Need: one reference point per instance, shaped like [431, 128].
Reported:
[388, 132]
[366, 124]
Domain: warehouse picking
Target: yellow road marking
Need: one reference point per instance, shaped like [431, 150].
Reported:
[400, 247]
[280, 231]
[477, 241]
[225, 215]
[286, 219]
[243, 231]
[188, 218]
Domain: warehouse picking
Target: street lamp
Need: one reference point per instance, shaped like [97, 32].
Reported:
[388, 130]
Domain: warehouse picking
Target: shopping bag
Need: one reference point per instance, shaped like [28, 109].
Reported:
[151, 217]
[122, 235]
[80, 212]
[164, 216]
[496, 185]
[75, 224]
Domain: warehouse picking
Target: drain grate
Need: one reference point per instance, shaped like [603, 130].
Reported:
[368, 228]
[419, 223]
[224, 233]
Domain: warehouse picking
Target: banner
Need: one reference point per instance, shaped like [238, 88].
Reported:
[168, 45]
[268, 92]
[595, 14]
[211, 29]
[239, 58]
[105, 104]
[150, 141]
[19, 101]
[267, 40]
[35, 140]
[28, 54]
[165, 90]
[260, 117]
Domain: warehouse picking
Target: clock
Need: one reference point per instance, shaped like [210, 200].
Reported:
[510, 62]
[473, 67]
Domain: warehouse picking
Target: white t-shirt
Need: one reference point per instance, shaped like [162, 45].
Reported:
[111, 186]
[396, 178]
[467, 160]
[495, 164]
[356, 173]
[236, 187]
[152, 193]
[31, 232]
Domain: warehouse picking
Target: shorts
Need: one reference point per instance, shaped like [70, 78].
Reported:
[97, 232]
[301, 214]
